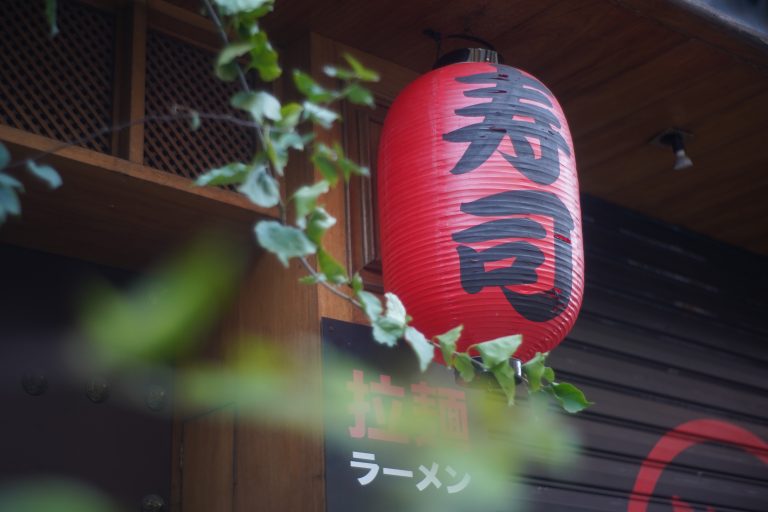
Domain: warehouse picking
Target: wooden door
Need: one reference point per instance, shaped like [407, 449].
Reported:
[115, 442]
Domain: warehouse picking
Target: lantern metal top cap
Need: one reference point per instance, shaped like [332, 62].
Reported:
[468, 55]
[487, 54]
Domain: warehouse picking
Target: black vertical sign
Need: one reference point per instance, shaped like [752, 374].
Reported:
[372, 463]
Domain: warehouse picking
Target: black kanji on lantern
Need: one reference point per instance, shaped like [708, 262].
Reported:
[537, 307]
[520, 109]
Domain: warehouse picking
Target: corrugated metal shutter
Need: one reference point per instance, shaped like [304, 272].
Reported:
[672, 331]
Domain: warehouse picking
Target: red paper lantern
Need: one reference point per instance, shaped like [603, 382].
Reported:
[479, 207]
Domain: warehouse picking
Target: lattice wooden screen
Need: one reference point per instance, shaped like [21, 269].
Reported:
[180, 74]
[60, 87]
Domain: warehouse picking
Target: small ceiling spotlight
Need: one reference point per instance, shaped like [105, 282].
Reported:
[675, 139]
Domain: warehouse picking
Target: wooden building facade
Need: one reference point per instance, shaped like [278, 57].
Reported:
[669, 340]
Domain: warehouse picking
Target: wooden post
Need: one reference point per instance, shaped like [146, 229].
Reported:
[130, 72]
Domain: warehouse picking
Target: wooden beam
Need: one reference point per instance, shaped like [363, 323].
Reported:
[689, 18]
[182, 24]
[24, 144]
[113, 211]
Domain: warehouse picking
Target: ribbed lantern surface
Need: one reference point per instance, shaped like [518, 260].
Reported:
[479, 207]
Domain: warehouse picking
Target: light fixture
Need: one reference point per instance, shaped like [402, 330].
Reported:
[675, 139]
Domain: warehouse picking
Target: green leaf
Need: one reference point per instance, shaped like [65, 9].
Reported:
[305, 199]
[285, 242]
[259, 104]
[312, 279]
[278, 156]
[50, 15]
[387, 332]
[319, 115]
[505, 376]
[231, 7]
[570, 397]
[306, 138]
[371, 305]
[498, 351]
[290, 114]
[6, 180]
[390, 327]
[324, 158]
[194, 120]
[448, 343]
[464, 364]
[264, 58]
[290, 140]
[9, 203]
[261, 188]
[347, 166]
[277, 144]
[230, 174]
[340, 73]
[313, 91]
[318, 222]
[534, 371]
[46, 173]
[358, 95]
[549, 374]
[331, 268]
[232, 51]
[357, 283]
[395, 309]
[227, 72]
[425, 351]
[5, 156]
[361, 72]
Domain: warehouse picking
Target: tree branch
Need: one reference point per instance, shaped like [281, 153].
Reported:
[225, 39]
[247, 88]
[327, 285]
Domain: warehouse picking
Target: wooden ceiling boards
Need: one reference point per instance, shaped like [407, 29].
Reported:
[623, 71]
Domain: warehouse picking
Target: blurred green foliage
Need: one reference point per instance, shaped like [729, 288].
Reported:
[159, 323]
[53, 495]
[164, 316]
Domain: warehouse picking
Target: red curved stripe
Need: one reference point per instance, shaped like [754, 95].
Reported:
[684, 436]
